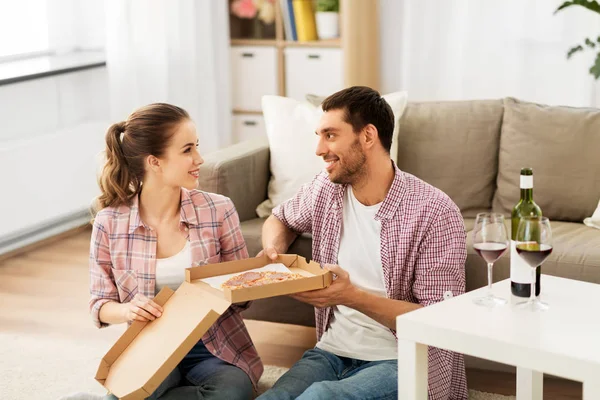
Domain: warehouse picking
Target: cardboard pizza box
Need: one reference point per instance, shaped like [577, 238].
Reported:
[147, 352]
[314, 277]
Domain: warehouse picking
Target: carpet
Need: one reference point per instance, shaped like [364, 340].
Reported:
[49, 367]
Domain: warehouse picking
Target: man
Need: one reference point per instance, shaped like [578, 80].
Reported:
[394, 243]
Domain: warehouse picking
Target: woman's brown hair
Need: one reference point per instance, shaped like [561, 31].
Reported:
[147, 131]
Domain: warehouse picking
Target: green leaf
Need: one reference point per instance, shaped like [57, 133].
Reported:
[592, 5]
[574, 50]
[589, 43]
[595, 69]
[328, 5]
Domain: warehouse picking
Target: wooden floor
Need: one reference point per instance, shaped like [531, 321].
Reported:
[45, 290]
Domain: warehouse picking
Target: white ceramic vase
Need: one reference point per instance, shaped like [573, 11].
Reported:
[328, 26]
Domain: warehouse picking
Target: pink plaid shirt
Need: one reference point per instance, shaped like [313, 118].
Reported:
[423, 253]
[123, 262]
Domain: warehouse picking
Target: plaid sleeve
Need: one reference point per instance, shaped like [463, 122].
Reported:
[440, 266]
[233, 245]
[296, 213]
[102, 283]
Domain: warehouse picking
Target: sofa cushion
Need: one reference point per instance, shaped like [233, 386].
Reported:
[469, 223]
[282, 309]
[576, 255]
[454, 147]
[252, 231]
[562, 145]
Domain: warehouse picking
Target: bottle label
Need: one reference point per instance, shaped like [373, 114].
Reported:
[520, 271]
[526, 181]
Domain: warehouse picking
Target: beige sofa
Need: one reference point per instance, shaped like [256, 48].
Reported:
[473, 151]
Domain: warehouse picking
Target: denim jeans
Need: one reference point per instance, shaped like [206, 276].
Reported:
[323, 375]
[200, 375]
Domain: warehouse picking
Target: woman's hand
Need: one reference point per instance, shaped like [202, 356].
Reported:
[141, 308]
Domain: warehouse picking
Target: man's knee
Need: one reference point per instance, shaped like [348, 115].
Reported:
[275, 394]
[318, 391]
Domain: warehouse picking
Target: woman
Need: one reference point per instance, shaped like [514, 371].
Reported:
[153, 224]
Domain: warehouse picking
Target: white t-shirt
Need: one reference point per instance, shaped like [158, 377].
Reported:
[170, 271]
[351, 333]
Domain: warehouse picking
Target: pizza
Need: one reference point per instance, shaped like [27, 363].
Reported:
[251, 279]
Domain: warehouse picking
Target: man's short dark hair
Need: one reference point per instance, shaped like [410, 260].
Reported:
[362, 106]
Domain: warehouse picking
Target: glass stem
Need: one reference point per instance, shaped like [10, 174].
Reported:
[532, 292]
[490, 266]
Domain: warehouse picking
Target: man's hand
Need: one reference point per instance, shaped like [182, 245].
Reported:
[271, 252]
[340, 292]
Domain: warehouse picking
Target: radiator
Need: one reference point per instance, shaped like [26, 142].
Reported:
[48, 183]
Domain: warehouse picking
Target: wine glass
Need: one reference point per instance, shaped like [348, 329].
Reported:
[490, 241]
[534, 245]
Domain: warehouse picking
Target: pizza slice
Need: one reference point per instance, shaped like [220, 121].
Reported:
[251, 279]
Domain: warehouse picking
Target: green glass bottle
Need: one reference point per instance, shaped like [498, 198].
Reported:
[520, 271]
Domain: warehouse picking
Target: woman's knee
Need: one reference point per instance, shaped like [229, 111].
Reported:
[238, 386]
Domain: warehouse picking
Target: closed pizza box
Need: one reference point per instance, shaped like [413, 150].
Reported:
[147, 352]
[314, 277]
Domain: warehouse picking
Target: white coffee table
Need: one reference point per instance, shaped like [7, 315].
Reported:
[562, 341]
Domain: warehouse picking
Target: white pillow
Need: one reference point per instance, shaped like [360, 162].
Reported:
[290, 126]
[594, 220]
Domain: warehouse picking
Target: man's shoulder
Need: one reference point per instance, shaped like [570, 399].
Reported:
[322, 185]
[422, 194]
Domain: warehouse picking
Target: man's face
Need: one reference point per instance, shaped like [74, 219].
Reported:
[341, 148]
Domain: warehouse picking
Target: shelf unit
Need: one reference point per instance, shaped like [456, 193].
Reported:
[318, 67]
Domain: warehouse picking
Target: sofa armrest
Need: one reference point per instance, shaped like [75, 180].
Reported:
[240, 172]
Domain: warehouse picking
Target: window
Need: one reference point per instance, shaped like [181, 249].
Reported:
[23, 27]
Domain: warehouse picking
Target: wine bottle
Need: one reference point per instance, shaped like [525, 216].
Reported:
[520, 271]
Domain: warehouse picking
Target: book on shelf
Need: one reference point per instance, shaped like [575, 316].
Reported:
[304, 17]
[289, 24]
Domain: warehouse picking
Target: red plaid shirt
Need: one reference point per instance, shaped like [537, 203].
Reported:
[423, 253]
[123, 262]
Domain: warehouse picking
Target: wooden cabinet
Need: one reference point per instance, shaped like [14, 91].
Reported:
[272, 64]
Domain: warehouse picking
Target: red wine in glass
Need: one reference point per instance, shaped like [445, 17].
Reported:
[534, 255]
[533, 246]
[490, 241]
[490, 251]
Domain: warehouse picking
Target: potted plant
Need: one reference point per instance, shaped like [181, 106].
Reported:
[593, 44]
[327, 18]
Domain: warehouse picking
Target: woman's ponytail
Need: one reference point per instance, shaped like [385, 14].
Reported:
[116, 181]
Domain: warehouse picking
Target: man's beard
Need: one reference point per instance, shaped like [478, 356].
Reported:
[353, 168]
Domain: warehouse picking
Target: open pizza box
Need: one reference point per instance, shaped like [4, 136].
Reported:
[148, 351]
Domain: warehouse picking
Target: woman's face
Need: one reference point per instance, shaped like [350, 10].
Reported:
[180, 164]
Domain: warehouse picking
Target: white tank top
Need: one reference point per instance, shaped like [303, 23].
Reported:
[170, 271]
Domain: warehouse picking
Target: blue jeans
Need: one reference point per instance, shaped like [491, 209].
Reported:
[200, 375]
[323, 375]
